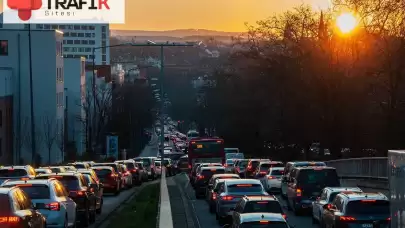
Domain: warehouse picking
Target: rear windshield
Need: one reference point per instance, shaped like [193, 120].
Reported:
[264, 167]
[242, 164]
[5, 205]
[58, 170]
[209, 173]
[36, 191]
[226, 177]
[130, 165]
[70, 182]
[368, 207]
[146, 162]
[255, 164]
[277, 172]
[263, 206]
[245, 188]
[102, 172]
[42, 171]
[115, 166]
[12, 172]
[264, 225]
[80, 166]
[230, 161]
[327, 177]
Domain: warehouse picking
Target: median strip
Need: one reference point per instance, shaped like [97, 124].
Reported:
[142, 210]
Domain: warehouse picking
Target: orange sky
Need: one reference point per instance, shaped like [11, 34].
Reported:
[224, 15]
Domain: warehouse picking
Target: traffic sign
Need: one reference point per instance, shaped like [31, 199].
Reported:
[112, 146]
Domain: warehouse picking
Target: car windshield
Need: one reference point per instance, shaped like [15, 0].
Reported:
[245, 188]
[12, 172]
[209, 173]
[242, 164]
[43, 171]
[36, 191]
[327, 177]
[255, 164]
[261, 224]
[102, 172]
[263, 206]
[368, 207]
[229, 161]
[265, 167]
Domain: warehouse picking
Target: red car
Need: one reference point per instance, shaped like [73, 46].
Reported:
[109, 178]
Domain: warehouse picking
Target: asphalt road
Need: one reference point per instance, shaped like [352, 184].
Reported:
[206, 220]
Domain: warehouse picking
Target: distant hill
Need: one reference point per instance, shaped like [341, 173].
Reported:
[179, 33]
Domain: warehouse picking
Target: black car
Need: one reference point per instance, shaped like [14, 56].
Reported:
[80, 192]
[25, 215]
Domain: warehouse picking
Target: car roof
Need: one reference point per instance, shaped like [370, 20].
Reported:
[15, 167]
[308, 162]
[353, 196]
[42, 169]
[340, 189]
[241, 181]
[225, 175]
[60, 174]
[5, 190]
[314, 167]
[85, 170]
[212, 167]
[260, 198]
[33, 181]
[255, 217]
[102, 167]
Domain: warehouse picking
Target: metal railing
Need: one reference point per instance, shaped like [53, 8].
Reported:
[362, 168]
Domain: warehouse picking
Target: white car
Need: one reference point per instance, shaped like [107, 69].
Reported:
[51, 199]
[327, 196]
[158, 168]
[272, 180]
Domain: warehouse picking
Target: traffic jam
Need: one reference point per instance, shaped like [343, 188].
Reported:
[248, 192]
[70, 195]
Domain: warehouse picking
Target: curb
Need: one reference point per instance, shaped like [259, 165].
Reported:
[105, 218]
[165, 219]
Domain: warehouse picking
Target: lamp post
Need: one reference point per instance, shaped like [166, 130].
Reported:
[148, 44]
[33, 137]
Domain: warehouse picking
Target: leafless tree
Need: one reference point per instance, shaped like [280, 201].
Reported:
[19, 137]
[50, 131]
[28, 139]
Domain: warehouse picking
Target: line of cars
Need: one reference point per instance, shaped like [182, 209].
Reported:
[70, 195]
[307, 187]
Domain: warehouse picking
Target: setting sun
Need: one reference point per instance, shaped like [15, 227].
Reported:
[346, 22]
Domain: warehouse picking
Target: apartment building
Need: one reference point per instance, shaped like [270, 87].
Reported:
[47, 70]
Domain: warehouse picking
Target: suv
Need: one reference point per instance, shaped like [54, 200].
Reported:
[361, 209]
[306, 183]
[258, 204]
[287, 170]
[80, 192]
[149, 166]
[17, 172]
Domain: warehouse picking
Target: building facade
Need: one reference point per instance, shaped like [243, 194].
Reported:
[75, 101]
[47, 69]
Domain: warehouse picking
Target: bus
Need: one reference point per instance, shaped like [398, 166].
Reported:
[206, 150]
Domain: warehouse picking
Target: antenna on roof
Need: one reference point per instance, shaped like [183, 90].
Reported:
[262, 216]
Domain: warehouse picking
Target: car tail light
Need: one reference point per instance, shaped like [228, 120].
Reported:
[271, 177]
[227, 198]
[77, 193]
[10, 219]
[55, 206]
[264, 222]
[346, 218]
[249, 167]
[189, 166]
[25, 178]
[284, 216]
[126, 173]
[299, 192]
[134, 170]
[389, 219]
[200, 177]
[262, 172]
[214, 196]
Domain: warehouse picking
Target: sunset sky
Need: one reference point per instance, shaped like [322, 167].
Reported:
[224, 15]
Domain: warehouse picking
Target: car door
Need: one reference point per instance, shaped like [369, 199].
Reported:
[63, 196]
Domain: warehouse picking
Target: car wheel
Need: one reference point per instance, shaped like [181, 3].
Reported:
[99, 210]
[92, 216]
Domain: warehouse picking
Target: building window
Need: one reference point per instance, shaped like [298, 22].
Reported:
[103, 36]
[62, 26]
[80, 34]
[69, 41]
[92, 42]
[103, 28]
[77, 42]
[84, 27]
[26, 26]
[40, 26]
[88, 49]
[3, 47]
[92, 27]
[54, 26]
[103, 43]
[88, 34]
[47, 26]
[103, 58]
[104, 63]
[77, 27]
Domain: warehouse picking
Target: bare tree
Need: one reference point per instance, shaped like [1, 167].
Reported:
[19, 137]
[50, 131]
[28, 139]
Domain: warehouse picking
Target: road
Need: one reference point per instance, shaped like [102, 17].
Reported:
[111, 202]
[206, 220]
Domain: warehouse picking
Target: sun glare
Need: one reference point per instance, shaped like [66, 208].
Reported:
[346, 22]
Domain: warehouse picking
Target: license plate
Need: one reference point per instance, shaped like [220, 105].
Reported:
[367, 225]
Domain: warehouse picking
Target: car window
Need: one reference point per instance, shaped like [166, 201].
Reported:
[328, 177]
[102, 172]
[263, 206]
[71, 183]
[130, 165]
[36, 191]
[219, 185]
[368, 207]
[276, 172]
[5, 208]
[12, 172]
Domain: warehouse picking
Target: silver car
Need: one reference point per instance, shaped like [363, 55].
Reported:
[231, 192]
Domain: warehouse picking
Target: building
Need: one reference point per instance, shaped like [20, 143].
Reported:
[6, 114]
[79, 41]
[48, 85]
[75, 102]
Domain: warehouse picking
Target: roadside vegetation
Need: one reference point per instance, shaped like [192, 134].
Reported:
[141, 211]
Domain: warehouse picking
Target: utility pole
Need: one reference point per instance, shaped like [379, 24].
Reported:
[33, 138]
[162, 106]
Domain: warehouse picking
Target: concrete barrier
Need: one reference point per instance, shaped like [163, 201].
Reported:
[165, 210]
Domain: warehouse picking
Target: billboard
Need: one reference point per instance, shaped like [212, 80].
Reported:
[112, 146]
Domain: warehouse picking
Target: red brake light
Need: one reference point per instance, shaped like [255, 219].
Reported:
[262, 172]
[11, 219]
[262, 202]
[264, 222]
[271, 177]
[25, 178]
[389, 219]
[189, 166]
[55, 206]
[368, 201]
[299, 192]
[24, 185]
[284, 216]
[227, 198]
[214, 196]
[10, 169]
[200, 177]
[344, 218]
[243, 185]
[77, 193]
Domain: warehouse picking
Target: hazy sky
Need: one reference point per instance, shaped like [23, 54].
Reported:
[225, 15]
